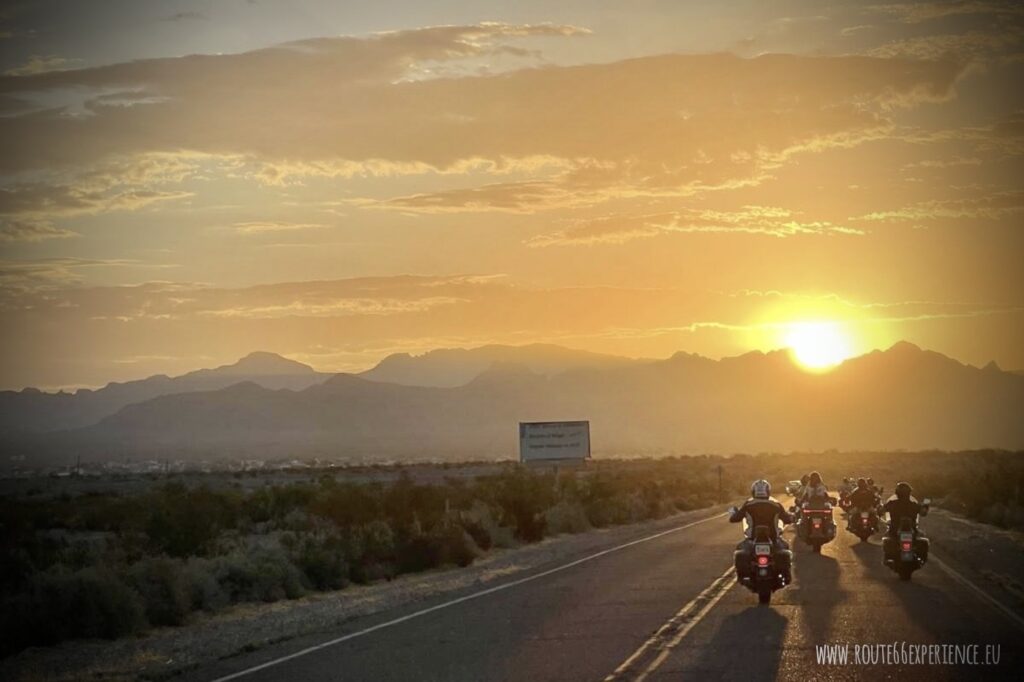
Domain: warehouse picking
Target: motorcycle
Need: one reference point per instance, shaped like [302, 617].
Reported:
[817, 526]
[864, 524]
[908, 551]
[845, 503]
[765, 566]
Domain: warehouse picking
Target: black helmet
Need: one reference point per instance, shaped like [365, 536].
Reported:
[903, 490]
[862, 483]
[815, 478]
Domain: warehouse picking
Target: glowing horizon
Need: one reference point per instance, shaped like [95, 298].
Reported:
[336, 184]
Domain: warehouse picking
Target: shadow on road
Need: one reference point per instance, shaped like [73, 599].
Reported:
[869, 553]
[748, 645]
[818, 590]
[946, 620]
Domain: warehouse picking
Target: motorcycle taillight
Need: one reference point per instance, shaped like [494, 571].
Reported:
[762, 561]
[906, 546]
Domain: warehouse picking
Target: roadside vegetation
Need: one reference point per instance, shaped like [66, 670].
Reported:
[108, 565]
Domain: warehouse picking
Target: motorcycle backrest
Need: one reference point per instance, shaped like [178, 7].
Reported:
[905, 524]
[761, 534]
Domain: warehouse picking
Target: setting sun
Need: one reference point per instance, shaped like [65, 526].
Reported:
[818, 346]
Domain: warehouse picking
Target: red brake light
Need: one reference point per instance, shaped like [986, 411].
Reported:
[762, 561]
[906, 546]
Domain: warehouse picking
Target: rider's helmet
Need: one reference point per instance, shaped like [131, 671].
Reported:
[815, 478]
[871, 481]
[862, 483]
[804, 479]
[761, 489]
[903, 490]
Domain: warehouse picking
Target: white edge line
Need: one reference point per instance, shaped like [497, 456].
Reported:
[459, 600]
[992, 601]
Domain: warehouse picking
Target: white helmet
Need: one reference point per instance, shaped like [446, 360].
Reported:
[761, 489]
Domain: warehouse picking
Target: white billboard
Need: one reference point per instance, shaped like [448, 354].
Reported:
[554, 440]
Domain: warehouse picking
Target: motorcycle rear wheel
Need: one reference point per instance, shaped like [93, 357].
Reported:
[764, 595]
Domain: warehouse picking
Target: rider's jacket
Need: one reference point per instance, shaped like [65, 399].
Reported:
[863, 498]
[898, 510]
[762, 512]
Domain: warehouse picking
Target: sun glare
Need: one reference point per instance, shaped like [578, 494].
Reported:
[818, 346]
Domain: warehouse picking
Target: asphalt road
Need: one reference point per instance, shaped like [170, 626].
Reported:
[662, 609]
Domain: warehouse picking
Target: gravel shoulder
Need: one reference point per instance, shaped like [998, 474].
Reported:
[992, 558]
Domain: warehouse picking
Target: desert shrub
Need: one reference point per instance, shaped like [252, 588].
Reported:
[258, 574]
[323, 562]
[480, 520]
[236, 576]
[205, 593]
[60, 605]
[446, 544]
[277, 577]
[184, 522]
[346, 504]
[164, 590]
[372, 552]
[566, 517]
[480, 535]
[522, 498]
[296, 520]
[457, 546]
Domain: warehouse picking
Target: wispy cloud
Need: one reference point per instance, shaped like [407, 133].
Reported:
[754, 220]
[263, 227]
[39, 64]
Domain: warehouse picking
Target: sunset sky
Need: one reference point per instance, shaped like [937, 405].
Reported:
[182, 183]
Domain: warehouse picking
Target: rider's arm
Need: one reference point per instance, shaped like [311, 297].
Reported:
[738, 515]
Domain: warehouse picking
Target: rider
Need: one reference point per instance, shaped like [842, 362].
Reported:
[815, 490]
[862, 499]
[875, 488]
[763, 510]
[901, 506]
[803, 486]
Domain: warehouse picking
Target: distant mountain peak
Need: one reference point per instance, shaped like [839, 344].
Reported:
[263, 363]
[904, 347]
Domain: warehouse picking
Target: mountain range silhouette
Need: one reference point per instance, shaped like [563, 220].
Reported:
[459, 404]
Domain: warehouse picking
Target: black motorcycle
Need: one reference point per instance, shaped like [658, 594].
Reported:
[908, 550]
[864, 524]
[763, 570]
